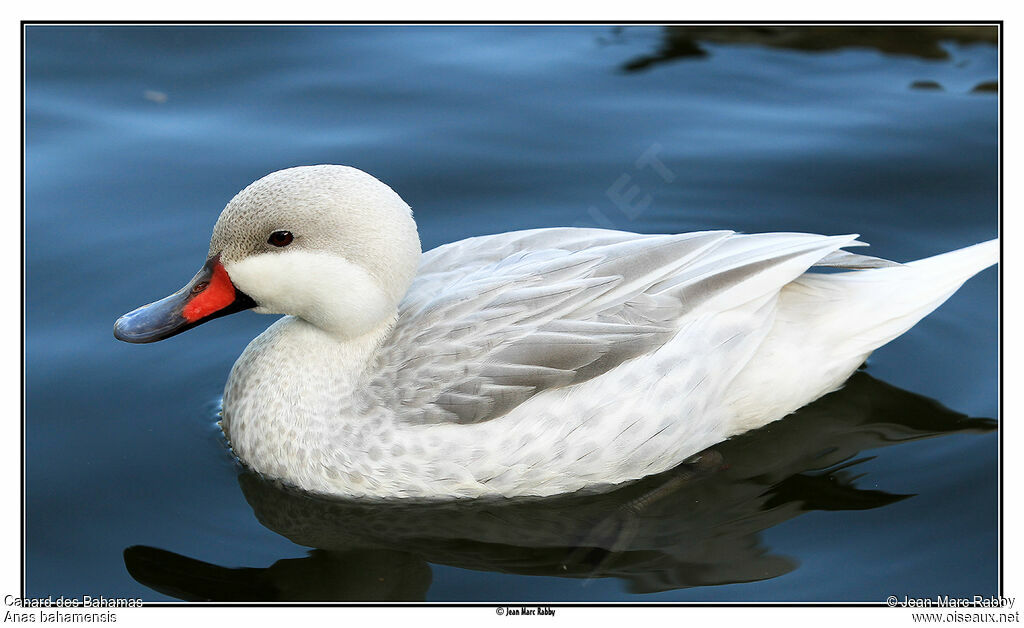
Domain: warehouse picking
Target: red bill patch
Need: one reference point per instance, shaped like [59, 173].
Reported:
[219, 294]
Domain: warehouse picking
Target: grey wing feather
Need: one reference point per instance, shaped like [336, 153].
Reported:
[854, 261]
[453, 257]
[491, 321]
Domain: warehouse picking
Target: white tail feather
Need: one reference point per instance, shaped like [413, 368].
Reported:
[826, 325]
[865, 309]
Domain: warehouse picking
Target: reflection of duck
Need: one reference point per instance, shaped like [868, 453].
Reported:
[527, 363]
[681, 42]
[695, 525]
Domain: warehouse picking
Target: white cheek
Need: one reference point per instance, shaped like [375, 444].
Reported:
[325, 290]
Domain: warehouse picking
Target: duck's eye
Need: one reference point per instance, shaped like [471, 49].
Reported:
[280, 238]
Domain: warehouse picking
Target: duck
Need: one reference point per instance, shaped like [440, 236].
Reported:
[524, 364]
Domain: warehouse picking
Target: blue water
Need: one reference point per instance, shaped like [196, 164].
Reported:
[138, 136]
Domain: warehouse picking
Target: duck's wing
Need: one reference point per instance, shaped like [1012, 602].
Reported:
[486, 325]
[473, 252]
[459, 258]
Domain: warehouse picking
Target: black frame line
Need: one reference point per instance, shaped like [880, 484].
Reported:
[999, 24]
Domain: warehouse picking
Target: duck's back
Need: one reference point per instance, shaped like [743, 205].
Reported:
[550, 309]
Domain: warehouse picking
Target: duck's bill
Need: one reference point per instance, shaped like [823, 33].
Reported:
[209, 295]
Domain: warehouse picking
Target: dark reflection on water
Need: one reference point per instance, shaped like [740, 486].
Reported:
[925, 42]
[137, 136]
[695, 525]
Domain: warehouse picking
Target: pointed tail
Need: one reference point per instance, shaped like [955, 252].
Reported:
[865, 309]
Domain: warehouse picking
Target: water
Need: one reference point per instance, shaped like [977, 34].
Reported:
[137, 136]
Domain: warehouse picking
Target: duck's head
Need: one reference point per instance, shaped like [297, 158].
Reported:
[329, 244]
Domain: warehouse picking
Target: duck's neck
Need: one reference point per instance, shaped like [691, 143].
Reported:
[355, 352]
